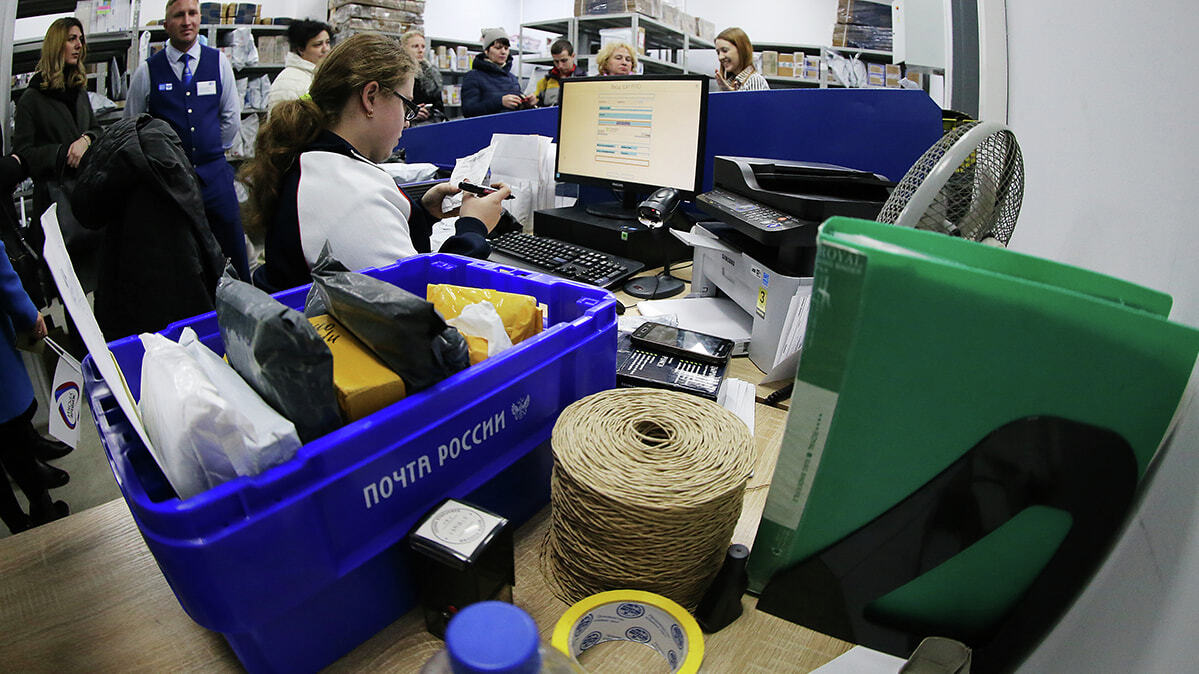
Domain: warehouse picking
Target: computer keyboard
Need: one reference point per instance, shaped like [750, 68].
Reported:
[567, 260]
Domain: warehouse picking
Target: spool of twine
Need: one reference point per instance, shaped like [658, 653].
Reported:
[647, 487]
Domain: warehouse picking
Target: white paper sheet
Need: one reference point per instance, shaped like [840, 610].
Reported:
[76, 303]
[718, 316]
[699, 237]
[738, 397]
[786, 357]
[862, 660]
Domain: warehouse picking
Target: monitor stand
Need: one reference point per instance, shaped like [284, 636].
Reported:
[625, 209]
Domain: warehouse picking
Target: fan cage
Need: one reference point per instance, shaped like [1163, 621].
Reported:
[980, 198]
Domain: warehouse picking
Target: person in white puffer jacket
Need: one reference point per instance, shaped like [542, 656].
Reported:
[309, 42]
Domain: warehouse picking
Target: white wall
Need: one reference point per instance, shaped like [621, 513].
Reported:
[1100, 97]
[465, 21]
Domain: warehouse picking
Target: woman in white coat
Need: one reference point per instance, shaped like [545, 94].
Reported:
[309, 42]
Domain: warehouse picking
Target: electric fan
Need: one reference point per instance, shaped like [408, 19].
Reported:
[969, 184]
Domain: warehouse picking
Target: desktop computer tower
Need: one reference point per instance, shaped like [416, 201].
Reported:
[626, 238]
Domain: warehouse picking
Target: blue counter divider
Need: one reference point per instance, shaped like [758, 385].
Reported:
[879, 130]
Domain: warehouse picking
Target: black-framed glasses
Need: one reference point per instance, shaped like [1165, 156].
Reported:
[410, 106]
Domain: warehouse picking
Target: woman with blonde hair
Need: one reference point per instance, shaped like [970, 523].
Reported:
[736, 55]
[54, 124]
[314, 179]
[426, 89]
[616, 58]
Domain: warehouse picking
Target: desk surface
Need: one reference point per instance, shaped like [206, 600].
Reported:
[84, 594]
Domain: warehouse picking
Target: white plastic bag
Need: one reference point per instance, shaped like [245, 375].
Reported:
[185, 418]
[207, 425]
[268, 438]
[482, 320]
[245, 53]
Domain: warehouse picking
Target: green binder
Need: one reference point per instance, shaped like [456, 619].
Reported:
[920, 347]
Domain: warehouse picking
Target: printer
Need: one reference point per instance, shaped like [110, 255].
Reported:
[761, 249]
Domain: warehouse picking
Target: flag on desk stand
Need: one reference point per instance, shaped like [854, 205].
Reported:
[66, 396]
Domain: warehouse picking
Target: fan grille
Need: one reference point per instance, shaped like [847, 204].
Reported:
[981, 198]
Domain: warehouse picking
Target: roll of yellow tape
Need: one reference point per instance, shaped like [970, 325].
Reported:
[632, 615]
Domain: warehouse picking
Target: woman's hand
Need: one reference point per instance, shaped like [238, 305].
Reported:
[720, 80]
[511, 101]
[436, 195]
[75, 152]
[488, 208]
[422, 113]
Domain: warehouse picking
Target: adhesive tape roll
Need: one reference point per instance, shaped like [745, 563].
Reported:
[632, 615]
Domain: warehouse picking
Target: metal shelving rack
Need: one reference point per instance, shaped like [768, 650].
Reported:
[665, 47]
[866, 55]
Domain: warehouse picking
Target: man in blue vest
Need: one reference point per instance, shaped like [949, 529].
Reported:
[191, 87]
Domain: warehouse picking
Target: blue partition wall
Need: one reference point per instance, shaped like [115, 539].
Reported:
[879, 130]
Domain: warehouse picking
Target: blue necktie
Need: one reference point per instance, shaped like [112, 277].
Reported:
[187, 71]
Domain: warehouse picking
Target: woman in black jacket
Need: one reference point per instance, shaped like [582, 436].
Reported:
[490, 86]
[54, 123]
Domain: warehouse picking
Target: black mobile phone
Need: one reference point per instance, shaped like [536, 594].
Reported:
[682, 343]
[479, 190]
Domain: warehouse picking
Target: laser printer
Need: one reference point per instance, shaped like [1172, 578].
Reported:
[761, 249]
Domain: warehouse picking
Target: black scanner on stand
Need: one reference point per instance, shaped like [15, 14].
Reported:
[771, 208]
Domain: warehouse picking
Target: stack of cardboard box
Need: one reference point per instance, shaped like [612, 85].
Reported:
[863, 24]
[386, 16]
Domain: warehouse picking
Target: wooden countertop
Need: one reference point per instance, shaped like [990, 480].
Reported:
[84, 594]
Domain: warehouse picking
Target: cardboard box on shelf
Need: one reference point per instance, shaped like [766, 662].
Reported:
[811, 68]
[862, 37]
[704, 29]
[211, 12]
[786, 65]
[650, 8]
[106, 16]
[415, 6]
[272, 48]
[245, 12]
[624, 35]
[876, 75]
[864, 12]
[770, 63]
[672, 16]
[894, 74]
[463, 60]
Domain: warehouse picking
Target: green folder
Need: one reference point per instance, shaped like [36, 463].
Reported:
[919, 345]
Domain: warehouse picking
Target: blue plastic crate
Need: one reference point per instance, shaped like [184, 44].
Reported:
[298, 565]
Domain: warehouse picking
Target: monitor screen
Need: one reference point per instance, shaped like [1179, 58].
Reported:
[634, 133]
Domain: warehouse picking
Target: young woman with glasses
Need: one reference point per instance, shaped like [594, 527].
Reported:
[315, 178]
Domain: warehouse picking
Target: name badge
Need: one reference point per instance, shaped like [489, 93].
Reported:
[165, 86]
[206, 88]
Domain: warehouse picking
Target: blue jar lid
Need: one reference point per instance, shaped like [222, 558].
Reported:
[493, 637]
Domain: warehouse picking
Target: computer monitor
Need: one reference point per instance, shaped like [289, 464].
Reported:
[633, 135]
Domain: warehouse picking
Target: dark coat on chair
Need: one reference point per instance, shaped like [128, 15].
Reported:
[159, 261]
